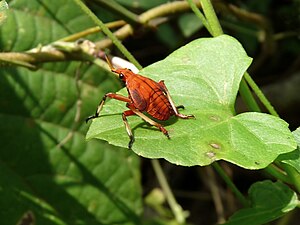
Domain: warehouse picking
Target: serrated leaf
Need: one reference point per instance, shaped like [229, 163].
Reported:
[41, 121]
[31, 24]
[204, 76]
[293, 158]
[269, 201]
[57, 175]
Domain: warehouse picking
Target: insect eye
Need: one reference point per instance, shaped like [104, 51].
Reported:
[121, 75]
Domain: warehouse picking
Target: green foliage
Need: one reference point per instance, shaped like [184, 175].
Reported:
[204, 75]
[142, 4]
[189, 23]
[293, 158]
[48, 170]
[269, 201]
[47, 167]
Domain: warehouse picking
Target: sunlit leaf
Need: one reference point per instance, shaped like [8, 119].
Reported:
[204, 76]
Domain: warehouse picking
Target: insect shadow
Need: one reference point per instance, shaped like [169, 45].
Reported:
[143, 124]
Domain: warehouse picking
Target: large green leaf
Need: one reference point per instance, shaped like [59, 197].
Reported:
[30, 24]
[204, 76]
[46, 165]
[269, 201]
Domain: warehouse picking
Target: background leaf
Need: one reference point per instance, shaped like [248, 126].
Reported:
[204, 75]
[46, 164]
[269, 201]
[293, 158]
[189, 23]
[143, 4]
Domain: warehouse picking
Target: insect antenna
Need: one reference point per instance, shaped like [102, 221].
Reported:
[109, 63]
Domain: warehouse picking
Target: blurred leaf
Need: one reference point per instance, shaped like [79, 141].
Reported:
[142, 4]
[189, 23]
[3, 11]
[293, 158]
[47, 167]
[168, 36]
[204, 75]
[269, 201]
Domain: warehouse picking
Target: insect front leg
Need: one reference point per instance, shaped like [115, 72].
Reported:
[128, 129]
[164, 87]
[109, 95]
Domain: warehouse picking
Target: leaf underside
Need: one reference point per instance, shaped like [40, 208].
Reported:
[293, 158]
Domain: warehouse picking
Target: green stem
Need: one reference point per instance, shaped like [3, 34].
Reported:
[260, 95]
[118, 9]
[200, 15]
[211, 17]
[175, 207]
[105, 30]
[92, 30]
[293, 175]
[247, 96]
[230, 184]
[271, 169]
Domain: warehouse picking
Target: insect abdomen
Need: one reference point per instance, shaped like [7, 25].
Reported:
[159, 107]
[148, 96]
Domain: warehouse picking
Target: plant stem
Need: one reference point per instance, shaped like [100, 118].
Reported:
[211, 17]
[118, 9]
[230, 184]
[271, 169]
[175, 207]
[92, 30]
[260, 95]
[247, 96]
[105, 30]
[293, 175]
[200, 15]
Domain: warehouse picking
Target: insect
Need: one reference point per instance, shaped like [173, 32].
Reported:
[144, 95]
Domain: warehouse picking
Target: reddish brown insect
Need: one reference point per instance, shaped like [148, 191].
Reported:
[144, 95]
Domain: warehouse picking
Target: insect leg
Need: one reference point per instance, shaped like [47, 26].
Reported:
[128, 129]
[148, 120]
[162, 84]
[180, 107]
[110, 95]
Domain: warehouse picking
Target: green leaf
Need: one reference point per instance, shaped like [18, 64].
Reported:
[46, 166]
[293, 158]
[101, 182]
[31, 24]
[18, 199]
[189, 23]
[204, 76]
[143, 4]
[269, 201]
